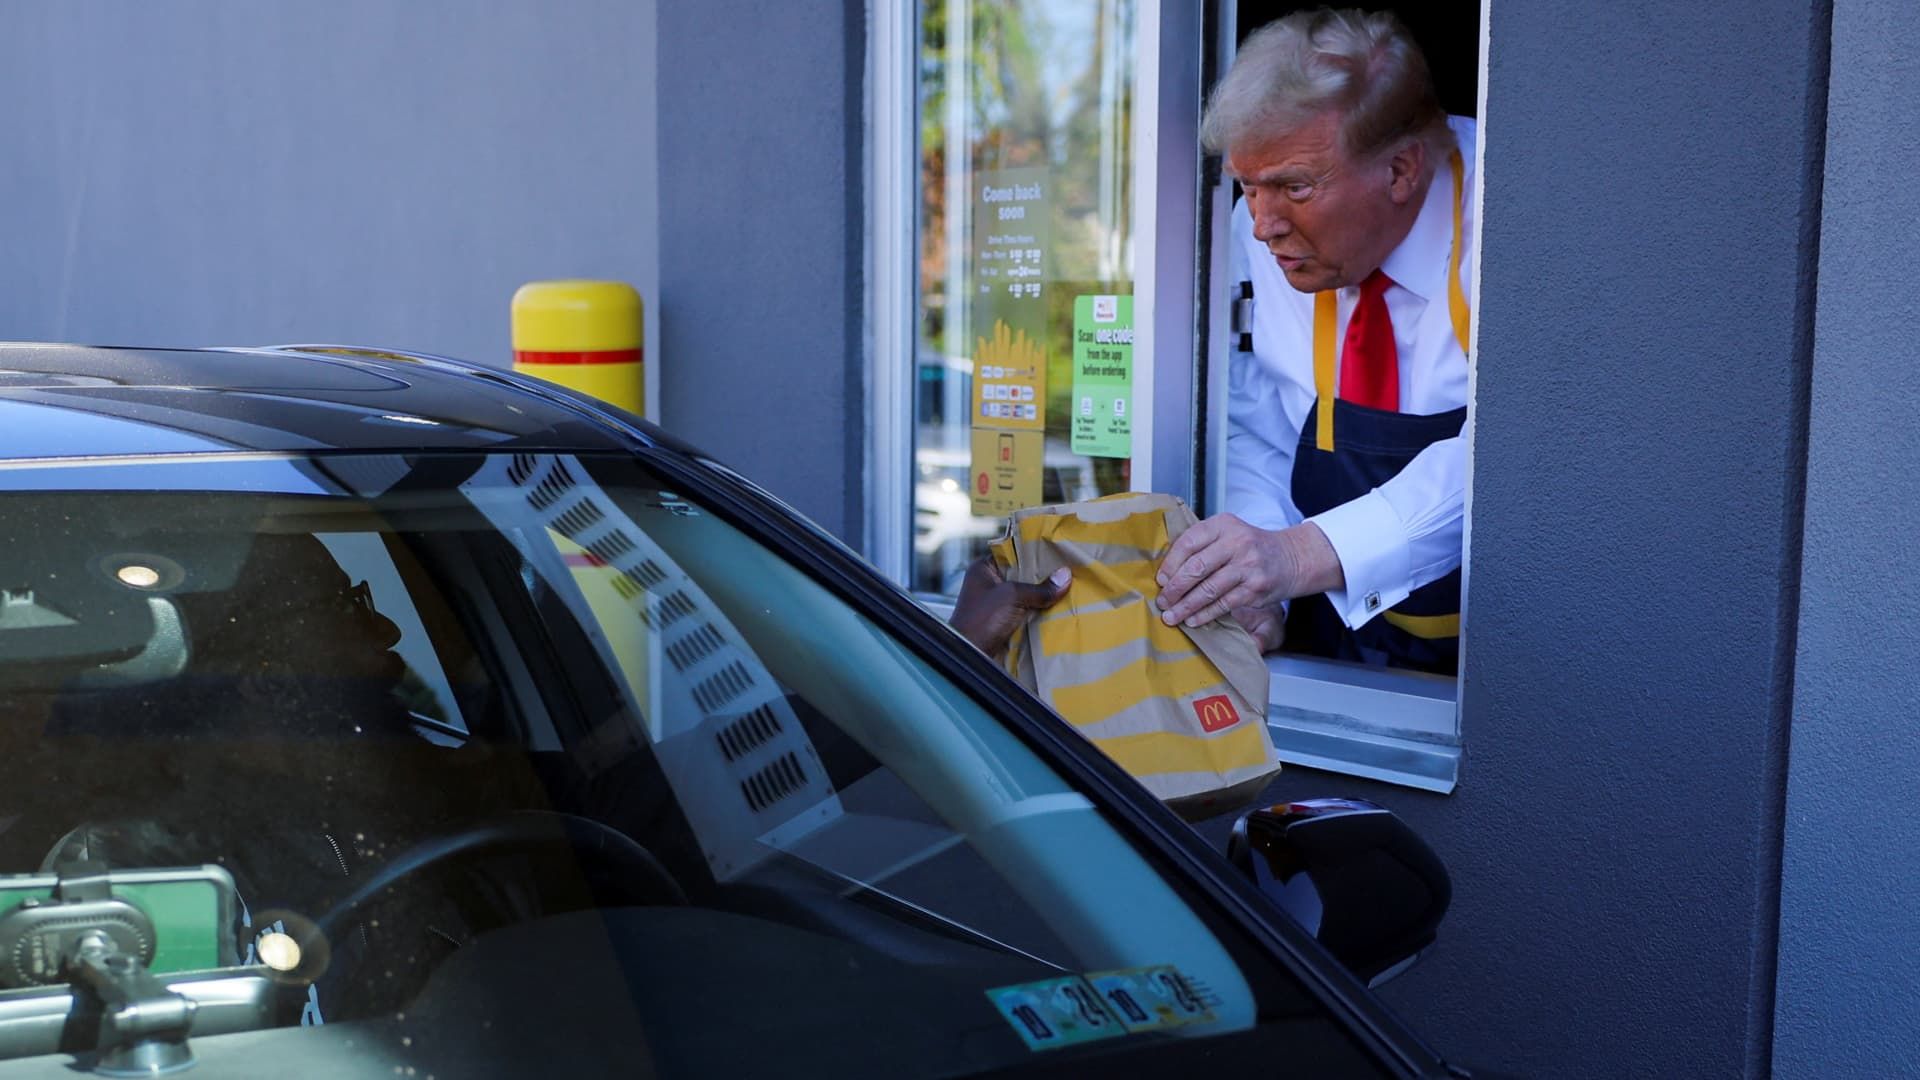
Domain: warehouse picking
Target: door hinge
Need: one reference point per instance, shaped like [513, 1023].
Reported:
[1242, 317]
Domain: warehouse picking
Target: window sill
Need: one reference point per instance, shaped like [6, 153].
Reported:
[1394, 726]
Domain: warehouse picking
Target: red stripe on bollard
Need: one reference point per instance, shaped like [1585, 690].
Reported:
[607, 356]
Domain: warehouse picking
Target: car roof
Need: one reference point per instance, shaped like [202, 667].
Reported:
[65, 401]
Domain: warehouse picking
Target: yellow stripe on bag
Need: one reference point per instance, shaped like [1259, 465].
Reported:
[1430, 627]
[1002, 551]
[1153, 752]
[1084, 633]
[1015, 646]
[1092, 702]
[1104, 583]
[1147, 531]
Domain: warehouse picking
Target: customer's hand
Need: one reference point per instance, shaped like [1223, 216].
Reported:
[991, 608]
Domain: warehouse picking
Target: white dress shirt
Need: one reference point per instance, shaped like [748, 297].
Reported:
[1406, 532]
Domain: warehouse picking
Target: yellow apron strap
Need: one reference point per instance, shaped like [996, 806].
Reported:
[1326, 319]
[1457, 296]
[1429, 627]
[1326, 313]
[1432, 627]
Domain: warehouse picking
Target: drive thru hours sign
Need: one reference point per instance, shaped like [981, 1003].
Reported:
[1008, 322]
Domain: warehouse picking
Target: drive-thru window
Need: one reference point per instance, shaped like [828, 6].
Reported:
[1065, 317]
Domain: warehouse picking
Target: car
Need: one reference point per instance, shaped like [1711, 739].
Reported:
[375, 714]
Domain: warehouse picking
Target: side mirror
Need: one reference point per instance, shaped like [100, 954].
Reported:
[1352, 874]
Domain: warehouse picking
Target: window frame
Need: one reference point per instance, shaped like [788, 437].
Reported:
[892, 143]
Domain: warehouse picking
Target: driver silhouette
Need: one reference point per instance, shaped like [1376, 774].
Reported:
[281, 753]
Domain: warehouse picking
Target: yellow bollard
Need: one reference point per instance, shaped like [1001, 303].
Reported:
[584, 335]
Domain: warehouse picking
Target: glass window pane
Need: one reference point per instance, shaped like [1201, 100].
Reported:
[1024, 345]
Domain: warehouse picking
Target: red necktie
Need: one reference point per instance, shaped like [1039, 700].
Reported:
[1369, 361]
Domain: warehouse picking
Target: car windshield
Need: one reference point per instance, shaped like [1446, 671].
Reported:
[468, 764]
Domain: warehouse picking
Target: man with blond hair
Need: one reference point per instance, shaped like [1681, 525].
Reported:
[1346, 470]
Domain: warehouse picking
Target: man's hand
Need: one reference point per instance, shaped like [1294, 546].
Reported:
[991, 608]
[1267, 625]
[1224, 565]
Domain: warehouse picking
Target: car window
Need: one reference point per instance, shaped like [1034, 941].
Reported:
[536, 751]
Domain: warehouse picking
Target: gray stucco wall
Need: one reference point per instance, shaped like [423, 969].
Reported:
[762, 214]
[1652, 180]
[1849, 985]
[1646, 295]
[240, 172]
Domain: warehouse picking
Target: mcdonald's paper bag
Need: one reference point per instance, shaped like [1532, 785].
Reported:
[1182, 709]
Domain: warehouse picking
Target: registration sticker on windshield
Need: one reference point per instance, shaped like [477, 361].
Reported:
[1056, 1012]
[1082, 1008]
[1152, 998]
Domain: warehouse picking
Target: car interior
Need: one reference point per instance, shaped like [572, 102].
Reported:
[520, 757]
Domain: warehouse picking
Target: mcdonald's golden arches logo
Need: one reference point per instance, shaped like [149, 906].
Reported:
[1216, 713]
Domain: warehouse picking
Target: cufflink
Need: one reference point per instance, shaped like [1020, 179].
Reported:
[1373, 602]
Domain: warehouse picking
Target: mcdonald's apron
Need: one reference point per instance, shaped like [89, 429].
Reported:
[1421, 632]
[1346, 451]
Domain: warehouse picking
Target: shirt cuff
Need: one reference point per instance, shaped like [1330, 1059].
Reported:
[1371, 543]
